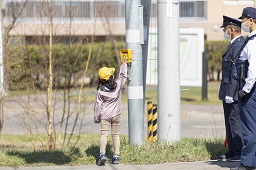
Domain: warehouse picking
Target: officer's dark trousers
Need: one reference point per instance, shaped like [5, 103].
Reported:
[233, 128]
[248, 118]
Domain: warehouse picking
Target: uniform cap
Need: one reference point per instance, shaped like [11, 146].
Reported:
[230, 21]
[105, 73]
[248, 12]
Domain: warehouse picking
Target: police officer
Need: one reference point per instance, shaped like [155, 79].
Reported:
[229, 90]
[247, 95]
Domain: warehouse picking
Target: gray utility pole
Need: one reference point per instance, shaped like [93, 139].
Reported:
[168, 71]
[134, 39]
[146, 23]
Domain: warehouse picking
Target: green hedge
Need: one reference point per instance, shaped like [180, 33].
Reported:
[27, 66]
[214, 51]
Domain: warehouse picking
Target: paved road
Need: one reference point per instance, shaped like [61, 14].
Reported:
[196, 120]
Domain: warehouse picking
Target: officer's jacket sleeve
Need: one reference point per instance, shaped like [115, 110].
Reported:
[233, 81]
[250, 53]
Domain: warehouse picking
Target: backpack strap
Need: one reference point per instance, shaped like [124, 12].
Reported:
[242, 47]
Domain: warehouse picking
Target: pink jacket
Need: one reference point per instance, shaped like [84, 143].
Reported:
[109, 104]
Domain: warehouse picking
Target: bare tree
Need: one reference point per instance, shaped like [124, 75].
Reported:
[107, 12]
[49, 69]
[8, 21]
[50, 83]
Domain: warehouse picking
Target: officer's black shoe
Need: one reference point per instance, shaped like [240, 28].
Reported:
[222, 158]
[236, 158]
[243, 168]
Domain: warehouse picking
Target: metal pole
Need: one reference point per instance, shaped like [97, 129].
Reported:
[146, 22]
[135, 72]
[204, 78]
[168, 71]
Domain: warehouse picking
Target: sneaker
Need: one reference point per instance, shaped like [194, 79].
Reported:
[102, 160]
[115, 160]
[236, 158]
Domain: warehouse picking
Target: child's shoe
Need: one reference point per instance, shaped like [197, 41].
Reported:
[102, 160]
[115, 159]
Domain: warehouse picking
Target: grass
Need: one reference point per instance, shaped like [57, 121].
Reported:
[194, 95]
[16, 150]
[191, 95]
[87, 152]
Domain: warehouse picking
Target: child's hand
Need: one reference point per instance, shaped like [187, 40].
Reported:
[124, 59]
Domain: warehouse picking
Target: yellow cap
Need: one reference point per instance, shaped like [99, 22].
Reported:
[105, 73]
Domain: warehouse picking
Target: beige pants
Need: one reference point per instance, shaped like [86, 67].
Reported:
[115, 129]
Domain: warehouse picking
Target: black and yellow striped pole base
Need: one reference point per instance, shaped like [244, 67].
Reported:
[150, 112]
[154, 124]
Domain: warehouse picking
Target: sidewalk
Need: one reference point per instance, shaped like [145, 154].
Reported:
[199, 165]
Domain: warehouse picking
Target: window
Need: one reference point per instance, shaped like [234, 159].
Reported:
[108, 9]
[56, 9]
[86, 8]
[193, 10]
[72, 9]
[41, 10]
[28, 10]
[14, 9]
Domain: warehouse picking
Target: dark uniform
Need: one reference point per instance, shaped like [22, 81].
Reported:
[247, 94]
[229, 87]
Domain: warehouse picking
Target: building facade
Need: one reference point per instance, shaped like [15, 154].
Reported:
[212, 21]
[103, 18]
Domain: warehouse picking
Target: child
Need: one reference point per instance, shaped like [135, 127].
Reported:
[107, 109]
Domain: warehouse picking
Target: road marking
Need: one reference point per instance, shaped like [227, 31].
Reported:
[208, 127]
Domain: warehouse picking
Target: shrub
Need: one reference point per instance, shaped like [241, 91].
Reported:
[214, 51]
[27, 66]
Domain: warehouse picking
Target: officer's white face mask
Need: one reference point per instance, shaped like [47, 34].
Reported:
[245, 28]
[226, 36]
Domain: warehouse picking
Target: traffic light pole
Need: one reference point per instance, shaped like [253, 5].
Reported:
[146, 23]
[133, 11]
